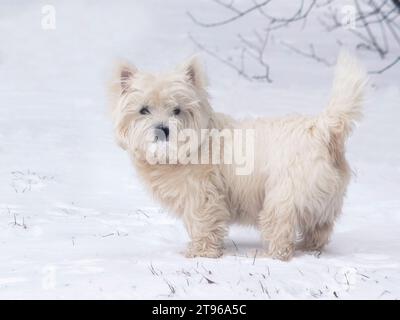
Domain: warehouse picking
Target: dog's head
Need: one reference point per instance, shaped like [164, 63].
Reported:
[149, 109]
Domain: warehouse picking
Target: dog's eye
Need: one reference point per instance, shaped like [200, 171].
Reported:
[144, 110]
[176, 111]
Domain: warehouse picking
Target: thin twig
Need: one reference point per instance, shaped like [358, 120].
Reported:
[397, 60]
[238, 15]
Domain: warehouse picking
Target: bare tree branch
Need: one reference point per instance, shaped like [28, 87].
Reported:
[396, 61]
[311, 54]
[372, 38]
[238, 15]
[240, 70]
[377, 30]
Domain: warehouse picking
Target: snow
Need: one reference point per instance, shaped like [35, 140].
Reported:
[75, 222]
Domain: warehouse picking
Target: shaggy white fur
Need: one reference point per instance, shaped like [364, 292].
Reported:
[296, 188]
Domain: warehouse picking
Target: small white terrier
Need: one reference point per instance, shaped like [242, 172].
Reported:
[299, 176]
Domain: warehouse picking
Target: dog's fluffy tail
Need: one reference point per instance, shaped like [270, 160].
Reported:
[345, 104]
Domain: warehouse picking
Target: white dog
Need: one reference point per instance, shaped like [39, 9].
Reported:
[299, 175]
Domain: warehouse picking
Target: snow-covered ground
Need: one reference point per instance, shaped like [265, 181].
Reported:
[76, 223]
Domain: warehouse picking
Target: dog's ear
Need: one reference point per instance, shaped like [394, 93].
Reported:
[122, 79]
[194, 73]
[126, 72]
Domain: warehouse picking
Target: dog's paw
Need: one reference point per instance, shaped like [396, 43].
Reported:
[194, 251]
[315, 253]
[283, 254]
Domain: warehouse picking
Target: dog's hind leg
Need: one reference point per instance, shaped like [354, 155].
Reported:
[316, 235]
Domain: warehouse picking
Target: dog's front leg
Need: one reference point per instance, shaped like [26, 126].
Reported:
[207, 226]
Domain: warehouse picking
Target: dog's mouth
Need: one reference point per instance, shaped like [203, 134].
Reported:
[157, 139]
[160, 142]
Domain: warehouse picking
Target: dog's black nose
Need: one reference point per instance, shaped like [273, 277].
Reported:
[162, 132]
